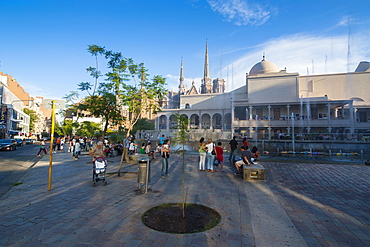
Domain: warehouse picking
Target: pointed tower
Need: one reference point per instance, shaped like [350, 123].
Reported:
[219, 85]
[182, 88]
[206, 81]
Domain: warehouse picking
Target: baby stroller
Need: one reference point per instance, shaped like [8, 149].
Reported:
[99, 170]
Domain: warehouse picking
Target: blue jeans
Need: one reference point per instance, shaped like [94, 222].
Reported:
[210, 160]
[164, 166]
[231, 157]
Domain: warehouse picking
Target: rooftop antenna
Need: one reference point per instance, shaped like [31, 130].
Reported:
[221, 63]
[227, 74]
[313, 67]
[232, 76]
[349, 46]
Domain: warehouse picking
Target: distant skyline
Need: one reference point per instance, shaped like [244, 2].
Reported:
[44, 43]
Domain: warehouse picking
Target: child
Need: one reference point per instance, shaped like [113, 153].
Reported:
[143, 148]
[255, 154]
[159, 148]
[149, 150]
[220, 156]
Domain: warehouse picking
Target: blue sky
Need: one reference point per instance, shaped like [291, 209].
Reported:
[43, 42]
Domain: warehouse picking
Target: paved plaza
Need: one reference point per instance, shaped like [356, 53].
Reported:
[299, 204]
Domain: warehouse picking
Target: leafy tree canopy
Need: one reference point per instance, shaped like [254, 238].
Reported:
[33, 118]
[124, 94]
[143, 124]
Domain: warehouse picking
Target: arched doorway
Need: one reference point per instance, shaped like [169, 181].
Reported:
[194, 121]
[206, 121]
[173, 121]
[227, 122]
[217, 121]
[162, 122]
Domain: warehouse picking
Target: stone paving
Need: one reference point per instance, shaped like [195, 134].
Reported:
[297, 205]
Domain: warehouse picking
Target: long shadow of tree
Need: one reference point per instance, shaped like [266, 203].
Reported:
[181, 217]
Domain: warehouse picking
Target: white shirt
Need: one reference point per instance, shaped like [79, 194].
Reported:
[210, 147]
[77, 147]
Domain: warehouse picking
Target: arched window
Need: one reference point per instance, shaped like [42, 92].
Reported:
[187, 106]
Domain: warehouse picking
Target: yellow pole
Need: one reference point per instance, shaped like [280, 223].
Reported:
[53, 102]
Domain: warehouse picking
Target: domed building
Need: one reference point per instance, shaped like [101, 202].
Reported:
[264, 67]
[275, 104]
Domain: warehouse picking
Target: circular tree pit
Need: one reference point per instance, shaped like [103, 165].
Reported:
[169, 218]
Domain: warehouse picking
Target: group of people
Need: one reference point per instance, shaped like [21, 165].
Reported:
[247, 156]
[163, 149]
[212, 154]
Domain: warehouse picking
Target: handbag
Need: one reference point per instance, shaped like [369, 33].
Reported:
[213, 150]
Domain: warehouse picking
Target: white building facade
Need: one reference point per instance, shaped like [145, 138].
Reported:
[275, 104]
[13, 121]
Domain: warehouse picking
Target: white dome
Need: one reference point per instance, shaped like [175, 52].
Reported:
[264, 67]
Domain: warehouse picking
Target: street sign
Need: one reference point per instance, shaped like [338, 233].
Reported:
[59, 103]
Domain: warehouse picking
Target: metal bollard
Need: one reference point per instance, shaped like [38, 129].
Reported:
[143, 175]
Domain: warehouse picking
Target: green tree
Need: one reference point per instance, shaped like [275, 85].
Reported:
[143, 124]
[182, 131]
[68, 126]
[58, 129]
[125, 93]
[88, 129]
[33, 118]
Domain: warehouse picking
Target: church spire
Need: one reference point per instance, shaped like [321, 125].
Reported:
[181, 86]
[206, 64]
[206, 81]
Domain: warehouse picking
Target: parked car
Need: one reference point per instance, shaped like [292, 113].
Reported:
[8, 144]
[19, 141]
[29, 141]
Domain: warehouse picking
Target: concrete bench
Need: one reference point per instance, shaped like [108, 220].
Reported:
[254, 172]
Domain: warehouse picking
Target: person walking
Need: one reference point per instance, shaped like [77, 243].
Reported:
[42, 149]
[210, 155]
[245, 142]
[58, 141]
[126, 146]
[165, 155]
[77, 150]
[220, 156]
[62, 144]
[97, 151]
[233, 146]
[202, 154]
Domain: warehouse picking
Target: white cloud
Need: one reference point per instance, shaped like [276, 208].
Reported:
[304, 54]
[174, 81]
[240, 12]
[301, 53]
